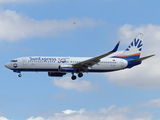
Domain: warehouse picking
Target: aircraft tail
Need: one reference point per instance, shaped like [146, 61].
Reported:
[133, 51]
[141, 59]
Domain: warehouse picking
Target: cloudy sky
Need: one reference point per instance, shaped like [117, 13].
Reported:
[79, 28]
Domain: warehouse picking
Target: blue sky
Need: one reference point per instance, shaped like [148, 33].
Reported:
[85, 28]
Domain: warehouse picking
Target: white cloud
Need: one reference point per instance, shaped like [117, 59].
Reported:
[15, 1]
[150, 39]
[37, 118]
[3, 118]
[16, 26]
[147, 74]
[79, 85]
[152, 103]
[111, 113]
[112, 109]
[73, 111]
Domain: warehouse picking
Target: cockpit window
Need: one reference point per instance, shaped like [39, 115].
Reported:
[13, 60]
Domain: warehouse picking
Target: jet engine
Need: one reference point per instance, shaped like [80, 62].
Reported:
[55, 74]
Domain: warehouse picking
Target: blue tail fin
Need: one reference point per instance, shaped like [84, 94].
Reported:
[133, 51]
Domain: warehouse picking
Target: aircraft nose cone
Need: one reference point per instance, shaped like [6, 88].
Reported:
[7, 65]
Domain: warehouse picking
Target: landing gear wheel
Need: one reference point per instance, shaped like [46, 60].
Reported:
[20, 75]
[73, 77]
[80, 75]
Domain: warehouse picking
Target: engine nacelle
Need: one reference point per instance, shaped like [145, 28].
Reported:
[55, 74]
[66, 68]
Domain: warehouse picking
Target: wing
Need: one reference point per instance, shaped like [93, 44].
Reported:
[82, 66]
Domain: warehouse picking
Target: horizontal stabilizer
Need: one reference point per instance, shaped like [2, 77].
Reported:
[143, 58]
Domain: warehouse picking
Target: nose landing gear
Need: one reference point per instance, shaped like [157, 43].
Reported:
[19, 75]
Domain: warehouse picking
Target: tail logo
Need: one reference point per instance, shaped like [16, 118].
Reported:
[136, 43]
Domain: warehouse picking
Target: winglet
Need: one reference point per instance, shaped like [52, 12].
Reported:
[116, 47]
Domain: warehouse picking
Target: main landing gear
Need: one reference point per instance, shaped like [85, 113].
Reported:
[74, 77]
[80, 75]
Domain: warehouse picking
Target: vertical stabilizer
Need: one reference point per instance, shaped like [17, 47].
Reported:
[133, 51]
[135, 47]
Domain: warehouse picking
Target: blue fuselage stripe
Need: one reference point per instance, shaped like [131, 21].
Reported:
[49, 70]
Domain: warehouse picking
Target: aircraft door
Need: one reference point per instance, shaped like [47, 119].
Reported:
[24, 61]
[122, 63]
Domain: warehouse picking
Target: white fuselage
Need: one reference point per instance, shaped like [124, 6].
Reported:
[60, 66]
[45, 64]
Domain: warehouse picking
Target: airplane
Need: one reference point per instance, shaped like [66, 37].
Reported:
[60, 66]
